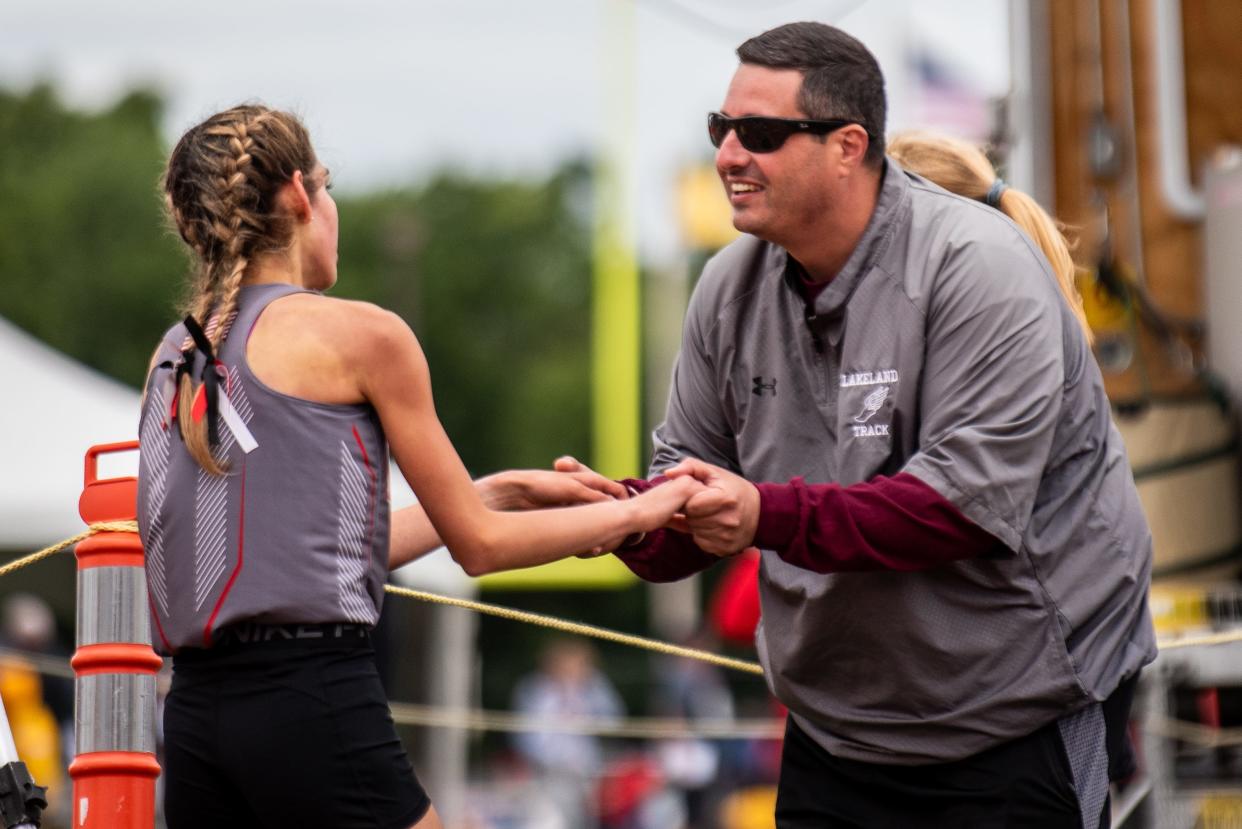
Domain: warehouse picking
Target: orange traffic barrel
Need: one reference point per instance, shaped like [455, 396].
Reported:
[114, 768]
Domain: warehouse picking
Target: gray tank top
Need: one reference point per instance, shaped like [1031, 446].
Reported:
[295, 532]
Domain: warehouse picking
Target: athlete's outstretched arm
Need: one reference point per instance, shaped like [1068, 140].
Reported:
[412, 535]
[392, 374]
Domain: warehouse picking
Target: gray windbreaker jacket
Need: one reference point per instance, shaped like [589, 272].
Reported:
[946, 333]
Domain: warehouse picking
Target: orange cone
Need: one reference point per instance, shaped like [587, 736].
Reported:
[115, 769]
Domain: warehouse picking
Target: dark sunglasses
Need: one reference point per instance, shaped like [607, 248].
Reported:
[765, 135]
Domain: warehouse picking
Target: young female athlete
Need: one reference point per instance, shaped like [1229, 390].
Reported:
[267, 421]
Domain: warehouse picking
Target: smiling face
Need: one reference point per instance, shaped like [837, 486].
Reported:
[781, 196]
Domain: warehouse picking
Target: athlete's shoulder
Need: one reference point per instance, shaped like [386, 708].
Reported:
[333, 315]
[371, 320]
[367, 331]
[346, 330]
[173, 337]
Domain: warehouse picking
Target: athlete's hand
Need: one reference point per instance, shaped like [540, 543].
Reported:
[723, 516]
[569, 465]
[673, 517]
[524, 489]
[656, 507]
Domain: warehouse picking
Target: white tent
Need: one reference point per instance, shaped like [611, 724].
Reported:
[55, 410]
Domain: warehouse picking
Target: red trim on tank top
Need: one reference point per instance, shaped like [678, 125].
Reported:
[155, 617]
[374, 488]
[241, 545]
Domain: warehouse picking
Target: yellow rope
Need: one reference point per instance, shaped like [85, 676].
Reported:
[580, 629]
[1206, 736]
[474, 719]
[1204, 639]
[101, 527]
[478, 607]
[555, 623]
[648, 728]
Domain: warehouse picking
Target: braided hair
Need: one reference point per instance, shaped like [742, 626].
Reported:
[220, 191]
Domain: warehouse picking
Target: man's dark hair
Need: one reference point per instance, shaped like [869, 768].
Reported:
[840, 77]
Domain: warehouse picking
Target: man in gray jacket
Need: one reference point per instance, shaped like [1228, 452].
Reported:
[888, 395]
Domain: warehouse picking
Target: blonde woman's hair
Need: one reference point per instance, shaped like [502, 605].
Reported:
[220, 190]
[962, 168]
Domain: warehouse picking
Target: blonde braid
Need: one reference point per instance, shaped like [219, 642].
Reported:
[222, 183]
[237, 222]
[234, 227]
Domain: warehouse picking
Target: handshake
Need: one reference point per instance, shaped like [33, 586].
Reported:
[718, 508]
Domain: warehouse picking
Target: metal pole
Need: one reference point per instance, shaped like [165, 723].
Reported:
[1030, 159]
[114, 770]
[1180, 195]
[449, 686]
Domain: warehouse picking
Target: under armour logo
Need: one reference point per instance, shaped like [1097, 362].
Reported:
[872, 404]
[761, 387]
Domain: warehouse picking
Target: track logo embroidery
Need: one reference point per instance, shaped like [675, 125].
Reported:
[868, 378]
[873, 403]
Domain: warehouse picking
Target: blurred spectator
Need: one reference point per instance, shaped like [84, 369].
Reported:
[695, 692]
[568, 685]
[39, 708]
[27, 624]
[633, 795]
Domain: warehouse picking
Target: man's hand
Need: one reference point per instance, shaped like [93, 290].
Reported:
[723, 517]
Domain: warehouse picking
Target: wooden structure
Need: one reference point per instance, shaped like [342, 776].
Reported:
[1105, 69]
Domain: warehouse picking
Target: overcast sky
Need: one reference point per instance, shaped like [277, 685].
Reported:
[394, 90]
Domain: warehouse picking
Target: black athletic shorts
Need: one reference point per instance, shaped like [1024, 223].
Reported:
[291, 730]
[1028, 783]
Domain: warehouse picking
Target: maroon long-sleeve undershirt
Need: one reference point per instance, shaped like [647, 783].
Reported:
[887, 523]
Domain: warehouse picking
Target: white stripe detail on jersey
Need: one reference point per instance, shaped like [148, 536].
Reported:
[211, 552]
[156, 442]
[237, 393]
[234, 407]
[210, 514]
[235, 424]
[353, 539]
[165, 395]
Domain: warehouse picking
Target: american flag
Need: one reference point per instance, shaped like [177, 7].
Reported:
[945, 101]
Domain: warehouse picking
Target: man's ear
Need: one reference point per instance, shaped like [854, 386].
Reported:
[854, 142]
[293, 198]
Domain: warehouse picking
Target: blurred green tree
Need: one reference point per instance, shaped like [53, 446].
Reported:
[86, 259]
[494, 276]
